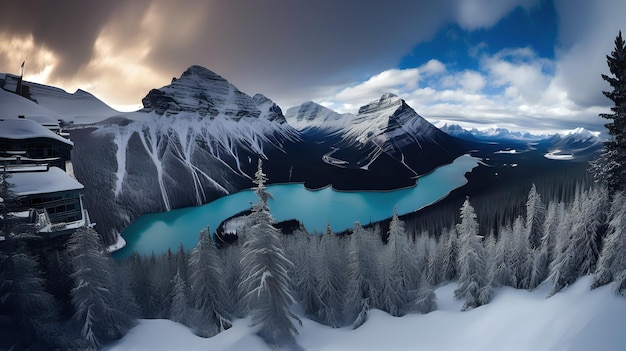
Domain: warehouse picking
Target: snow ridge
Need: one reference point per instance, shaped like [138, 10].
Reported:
[311, 115]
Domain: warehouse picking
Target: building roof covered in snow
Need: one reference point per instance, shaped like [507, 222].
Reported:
[22, 128]
[54, 180]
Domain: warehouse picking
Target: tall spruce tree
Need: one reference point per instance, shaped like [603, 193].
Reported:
[611, 165]
[473, 276]
[97, 292]
[535, 216]
[265, 266]
[612, 261]
[207, 288]
[331, 277]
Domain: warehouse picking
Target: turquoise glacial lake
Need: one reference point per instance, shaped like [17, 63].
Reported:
[158, 232]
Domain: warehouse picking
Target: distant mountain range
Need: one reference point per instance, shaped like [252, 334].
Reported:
[199, 138]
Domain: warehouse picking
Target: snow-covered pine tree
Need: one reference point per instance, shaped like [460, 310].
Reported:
[473, 281]
[331, 278]
[207, 288]
[422, 246]
[561, 273]
[265, 267]
[450, 254]
[404, 254]
[362, 263]
[230, 258]
[612, 261]
[535, 216]
[96, 293]
[305, 278]
[544, 254]
[435, 262]
[611, 165]
[502, 273]
[520, 254]
[179, 311]
[582, 241]
[401, 276]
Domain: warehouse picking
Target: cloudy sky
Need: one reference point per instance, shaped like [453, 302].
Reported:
[522, 64]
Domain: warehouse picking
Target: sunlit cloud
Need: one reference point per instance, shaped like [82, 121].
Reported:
[38, 60]
[513, 88]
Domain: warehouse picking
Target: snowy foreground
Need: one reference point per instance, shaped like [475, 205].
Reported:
[574, 319]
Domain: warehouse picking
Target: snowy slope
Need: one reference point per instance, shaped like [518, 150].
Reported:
[310, 115]
[575, 319]
[80, 107]
[13, 105]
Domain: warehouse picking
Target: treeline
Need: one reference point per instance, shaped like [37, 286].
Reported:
[85, 299]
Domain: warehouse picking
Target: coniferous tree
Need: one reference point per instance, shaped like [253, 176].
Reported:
[611, 165]
[612, 261]
[520, 255]
[23, 295]
[473, 282]
[435, 262]
[265, 268]
[179, 311]
[207, 288]
[578, 246]
[502, 273]
[362, 263]
[97, 292]
[404, 254]
[230, 258]
[305, 278]
[331, 278]
[535, 216]
[142, 284]
[394, 295]
[450, 258]
[561, 272]
[544, 254]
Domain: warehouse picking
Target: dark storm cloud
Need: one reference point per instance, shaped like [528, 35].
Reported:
[290, 50]
[68, 28]
[287, 48]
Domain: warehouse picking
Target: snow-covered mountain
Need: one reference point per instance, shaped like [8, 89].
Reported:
[579, 142]
[490, 134]
[385, 134]
[195, 140]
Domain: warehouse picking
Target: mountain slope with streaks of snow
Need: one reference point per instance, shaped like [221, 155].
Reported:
[195, 140]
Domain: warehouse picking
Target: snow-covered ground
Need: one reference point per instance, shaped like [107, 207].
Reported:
[574, 319]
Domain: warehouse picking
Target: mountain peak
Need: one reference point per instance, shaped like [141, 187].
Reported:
[201, 90]
[389, 96]
[386, 101]
[202, 73]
